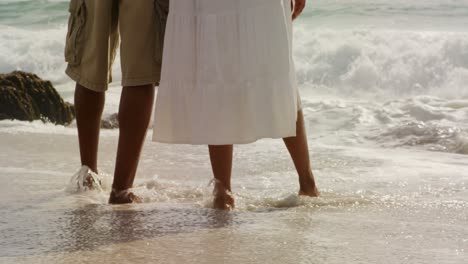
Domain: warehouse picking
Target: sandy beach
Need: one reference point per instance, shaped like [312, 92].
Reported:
[386, 109]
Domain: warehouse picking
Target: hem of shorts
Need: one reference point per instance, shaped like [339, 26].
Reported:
[85, 83]
[140, 81]
[221, 142]
[300, 107]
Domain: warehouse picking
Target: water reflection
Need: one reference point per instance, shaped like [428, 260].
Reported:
[97, 225]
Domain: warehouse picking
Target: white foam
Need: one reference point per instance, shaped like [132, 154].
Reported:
[426, 122]
[383, 62]
[39, 127]
[353, 62]
[40, 51]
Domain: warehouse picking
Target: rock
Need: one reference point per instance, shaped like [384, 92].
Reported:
[110, 122]
[25, 96]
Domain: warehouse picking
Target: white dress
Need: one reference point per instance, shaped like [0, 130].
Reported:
[228, 76]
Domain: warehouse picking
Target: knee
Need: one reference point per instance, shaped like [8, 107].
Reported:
[82, 90]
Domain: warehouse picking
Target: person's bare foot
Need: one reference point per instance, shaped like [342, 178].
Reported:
[223, 200]
[312, 192]
[308, 186]
[85, 180]
[124, 197]
[91, 182]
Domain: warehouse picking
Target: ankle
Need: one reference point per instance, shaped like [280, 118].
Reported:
[221, 191]
[223, 200]
[92, 168]
[308, 187]
[118, 188]
[125, 196]
[220, 186]
[307, 180]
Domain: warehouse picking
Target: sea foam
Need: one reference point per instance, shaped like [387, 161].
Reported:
[345, 62]
[383, 62]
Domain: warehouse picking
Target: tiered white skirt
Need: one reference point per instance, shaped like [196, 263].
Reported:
[228, 76]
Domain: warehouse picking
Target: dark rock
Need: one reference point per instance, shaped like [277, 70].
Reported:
[110, 122]
[25, 96]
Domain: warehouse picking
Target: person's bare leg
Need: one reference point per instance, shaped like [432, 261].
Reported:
[221, 163]
[136, 106]
[88, 109]
[299, 150]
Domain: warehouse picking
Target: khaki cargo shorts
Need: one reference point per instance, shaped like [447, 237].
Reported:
[95, 29]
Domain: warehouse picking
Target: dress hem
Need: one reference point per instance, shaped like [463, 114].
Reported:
[221, 142]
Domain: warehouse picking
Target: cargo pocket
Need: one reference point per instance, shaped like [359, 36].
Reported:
[161, 8]
[75, 36]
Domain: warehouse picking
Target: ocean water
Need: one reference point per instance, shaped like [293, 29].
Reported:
[385, 94]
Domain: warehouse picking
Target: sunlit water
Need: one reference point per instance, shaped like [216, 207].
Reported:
[386, 105]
